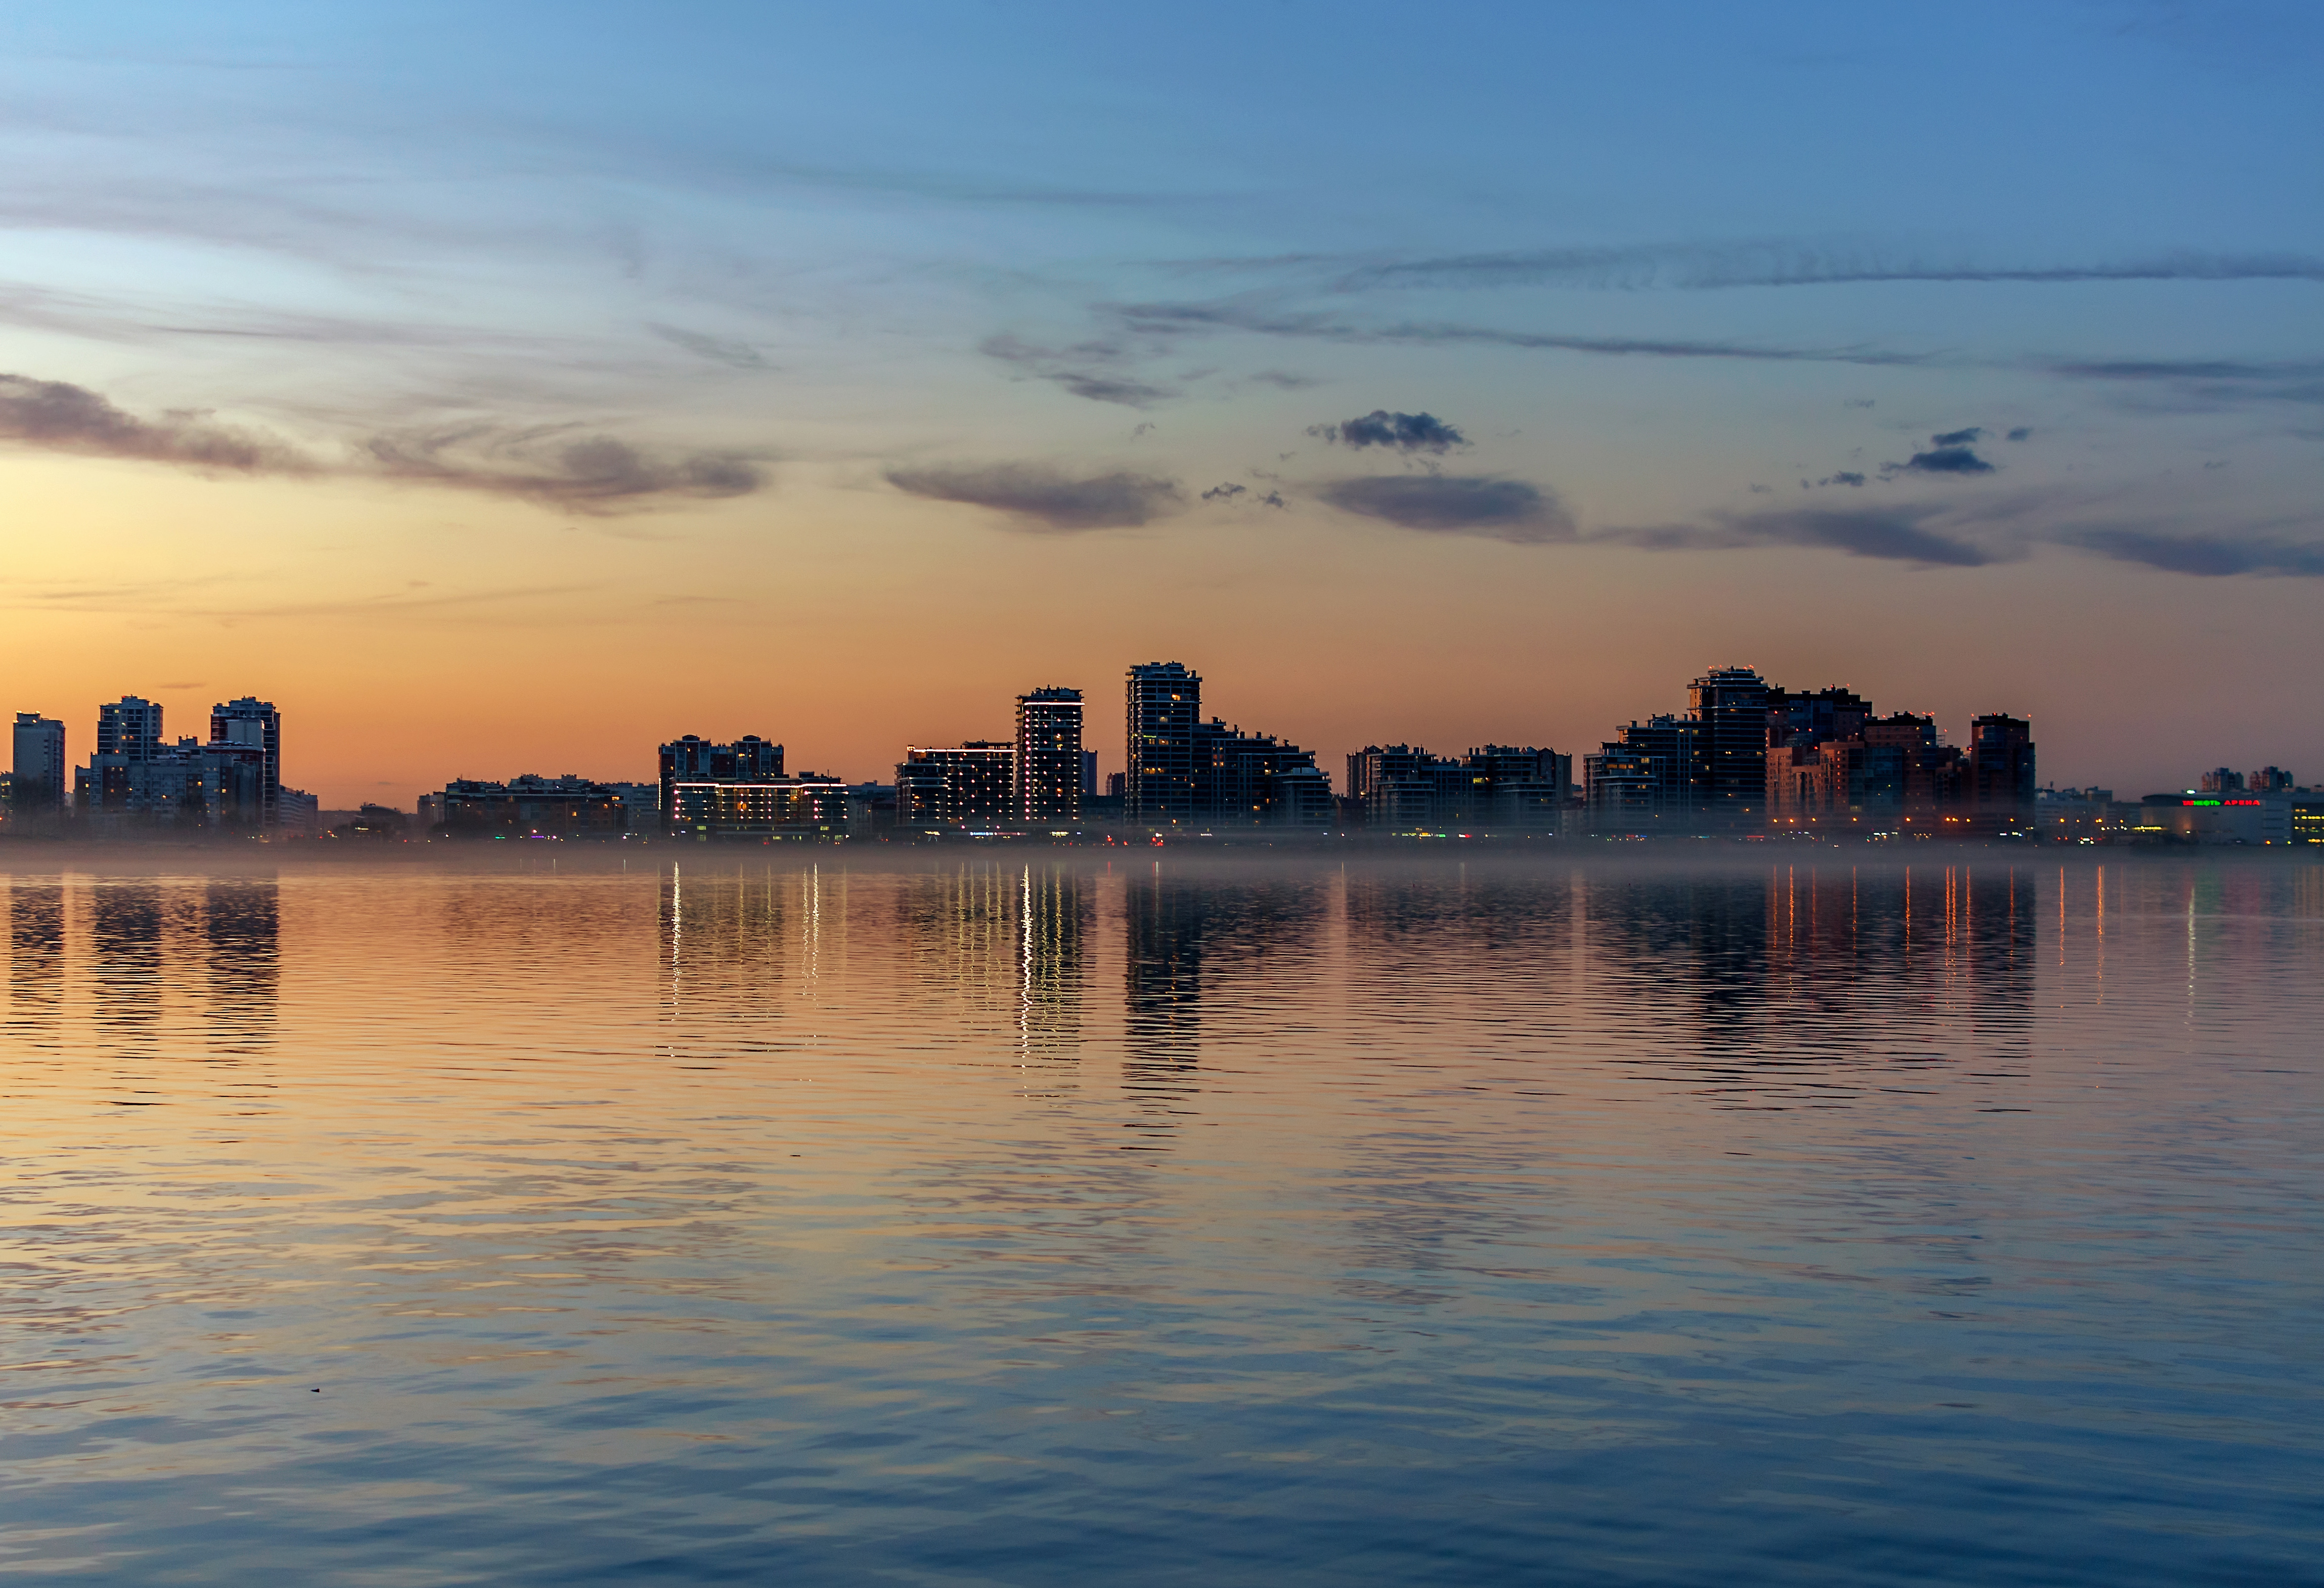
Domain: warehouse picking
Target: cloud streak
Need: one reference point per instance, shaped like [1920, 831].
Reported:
[553, 465]
[1891, 534]
[2207, 555]
[1715, 266]
[1085, 369]
[1044, 499]
[57, 416]
[1180, 318]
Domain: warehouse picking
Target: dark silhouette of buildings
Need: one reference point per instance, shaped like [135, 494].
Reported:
[36, 785]
[532, 806]
[1823, 762]
[1729, 705]
[1183, 770]
[1402, 787]
[137, 780]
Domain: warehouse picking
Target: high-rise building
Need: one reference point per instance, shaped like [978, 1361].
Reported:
[957, 786]
[129, 728]
[2001, 770]
[253, 725]
[1164, 707]
[38, 783]
[1730, 704]
[1048, 760]
[2269, 780]
[2222, 780]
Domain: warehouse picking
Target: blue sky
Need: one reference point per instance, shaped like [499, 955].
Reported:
[1697, 290]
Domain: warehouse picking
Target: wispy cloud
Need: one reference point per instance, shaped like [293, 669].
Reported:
[1894, 534]
[1396, 433]
[1086, 369]
[552, 465]
[585, 473]
[60, 417]
[2201, 385]
[1181, 318]
[1708, 266]
[731, 352]
[1457, 505]
[2207, 555]
[1044, 499]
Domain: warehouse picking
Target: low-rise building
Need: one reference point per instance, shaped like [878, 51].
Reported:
[532, 806]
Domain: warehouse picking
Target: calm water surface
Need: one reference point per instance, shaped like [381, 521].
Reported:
[1010, 1222]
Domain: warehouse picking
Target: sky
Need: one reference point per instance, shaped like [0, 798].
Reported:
[514, 388]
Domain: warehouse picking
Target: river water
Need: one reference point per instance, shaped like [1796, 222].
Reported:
[982, 1218]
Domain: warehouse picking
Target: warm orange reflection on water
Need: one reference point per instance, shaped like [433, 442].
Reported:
[734, 1216]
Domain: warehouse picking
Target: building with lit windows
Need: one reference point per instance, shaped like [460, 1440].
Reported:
[254, 728]
[971, 785]
[1049, 760]
[528, 806]
[1165, 705]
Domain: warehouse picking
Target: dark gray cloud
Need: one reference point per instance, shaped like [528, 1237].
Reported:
[1705, 266]
[2022, 433]
[1967, 438]
[1093, 370]
[60, 417]
[1225, 493]
[1045, 498]
[1273, 499]
[1398, 433]
[552, 465]
[734, 355]
[1283, 379]
[1943, 460]
[1893, 535]
[1457, 505]
[1844, 477]
[2207, 555]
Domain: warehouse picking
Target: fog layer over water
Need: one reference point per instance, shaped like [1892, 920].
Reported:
[1045, 1219]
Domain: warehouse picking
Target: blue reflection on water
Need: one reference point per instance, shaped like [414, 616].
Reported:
[1054, 1220]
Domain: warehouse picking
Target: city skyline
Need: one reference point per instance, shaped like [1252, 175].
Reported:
[1422, 402]
[1810, 754]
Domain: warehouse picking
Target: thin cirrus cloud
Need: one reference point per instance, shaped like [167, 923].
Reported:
[1483, 505]
[1168, 319]
[552, 466]
[1044, 499]
[1394, 432]
[726, 350]
[1088, 370]
[1890, 534]
[1708, 266]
